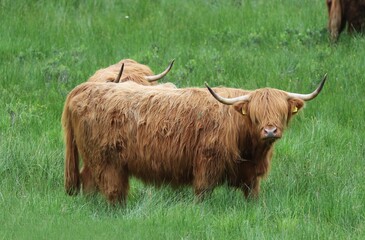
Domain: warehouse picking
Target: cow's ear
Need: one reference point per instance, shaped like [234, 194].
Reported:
[241, 107]
[295, 105]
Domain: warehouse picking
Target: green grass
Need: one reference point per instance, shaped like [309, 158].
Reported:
[316, 187]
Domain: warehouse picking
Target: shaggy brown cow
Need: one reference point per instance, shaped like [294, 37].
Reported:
[174, 136]
[341, 12]
[133, 71]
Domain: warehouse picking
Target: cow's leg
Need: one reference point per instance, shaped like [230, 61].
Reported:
[202, 191]
[114, 184]
[251, 188]
[355, 27]
[245, 179]
[203, 187]
[87, 181]
[207, 175]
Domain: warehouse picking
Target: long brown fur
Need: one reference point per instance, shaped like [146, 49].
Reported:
[342, 12]
[172, 136]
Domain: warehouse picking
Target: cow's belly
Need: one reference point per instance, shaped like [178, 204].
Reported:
[158, 172]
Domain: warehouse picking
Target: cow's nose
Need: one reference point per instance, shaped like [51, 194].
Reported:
[270, 132]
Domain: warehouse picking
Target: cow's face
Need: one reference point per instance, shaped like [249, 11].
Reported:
[268, 111]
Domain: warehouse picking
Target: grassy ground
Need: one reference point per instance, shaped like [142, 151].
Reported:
[316, 188]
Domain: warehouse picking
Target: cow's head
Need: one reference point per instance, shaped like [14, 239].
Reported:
[268, 110]
[336, 21]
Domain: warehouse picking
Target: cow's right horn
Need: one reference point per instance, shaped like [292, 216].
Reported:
[161, 75]
[228, 101]
[310, 96]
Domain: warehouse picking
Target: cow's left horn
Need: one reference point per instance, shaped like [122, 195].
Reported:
[117, 80]
[228, 101]
[310, 96]
[161, 75]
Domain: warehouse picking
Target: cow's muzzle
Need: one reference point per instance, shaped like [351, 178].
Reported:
[270, 133]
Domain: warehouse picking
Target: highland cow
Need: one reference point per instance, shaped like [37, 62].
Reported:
[174, 136]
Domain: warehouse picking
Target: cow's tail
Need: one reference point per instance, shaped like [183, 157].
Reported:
[72, 175]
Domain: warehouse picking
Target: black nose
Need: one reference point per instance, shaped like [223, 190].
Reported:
[270, 131]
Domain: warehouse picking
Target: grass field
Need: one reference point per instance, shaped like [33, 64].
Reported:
[316, 187]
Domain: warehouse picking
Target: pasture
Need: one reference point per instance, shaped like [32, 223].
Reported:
[316, 186]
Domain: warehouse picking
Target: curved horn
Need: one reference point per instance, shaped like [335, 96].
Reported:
[310, 96]
[228, 101]
[117, 80]
[161, 75]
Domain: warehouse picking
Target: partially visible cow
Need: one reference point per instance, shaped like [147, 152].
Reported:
[133, 71]
[342, 12]
[174, 136]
